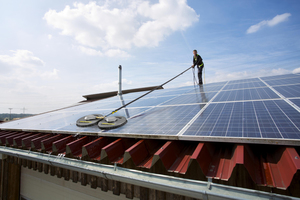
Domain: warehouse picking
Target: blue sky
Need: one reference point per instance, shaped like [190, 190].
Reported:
[52, 52]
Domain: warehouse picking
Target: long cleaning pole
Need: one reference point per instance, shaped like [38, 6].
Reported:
[116, 110]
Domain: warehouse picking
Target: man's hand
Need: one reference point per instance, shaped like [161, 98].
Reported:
[193, 66]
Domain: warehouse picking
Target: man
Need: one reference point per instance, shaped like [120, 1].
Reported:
[197, 61]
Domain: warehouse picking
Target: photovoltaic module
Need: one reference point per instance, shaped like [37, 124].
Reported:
[255, 110]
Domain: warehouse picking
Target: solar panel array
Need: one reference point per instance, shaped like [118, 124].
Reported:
[250, 110]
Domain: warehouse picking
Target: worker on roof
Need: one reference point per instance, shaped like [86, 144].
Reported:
[197, 61]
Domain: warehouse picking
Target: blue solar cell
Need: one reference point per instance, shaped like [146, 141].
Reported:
[191, 98]
[288, 81]
[230, 119]
[296, 101]
[211, 88]
[176, 92]
[292, 114]
[154, 101]
[223, 118]
[244, 81]
[249, 122]
[264, 119]
[289, 91]
[160, 121]
[246, 94]
[244, 85]
[205, 122]
[267, 126]
[285, 118]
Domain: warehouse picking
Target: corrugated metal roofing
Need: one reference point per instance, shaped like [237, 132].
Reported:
[264, 167]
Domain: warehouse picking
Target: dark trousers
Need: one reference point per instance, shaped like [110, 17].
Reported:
[200, 74]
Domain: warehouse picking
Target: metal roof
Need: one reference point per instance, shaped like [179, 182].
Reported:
[272, 168]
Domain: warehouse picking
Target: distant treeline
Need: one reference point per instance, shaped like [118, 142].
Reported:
[13, 115]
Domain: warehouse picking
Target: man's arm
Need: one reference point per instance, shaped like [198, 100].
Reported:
[193, 63]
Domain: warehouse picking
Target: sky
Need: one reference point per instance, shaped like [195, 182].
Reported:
[53, 52]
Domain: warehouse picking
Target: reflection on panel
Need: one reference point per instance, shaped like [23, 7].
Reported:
[289, 91]
[244, 85]
[191, 98]
[71, 125]
[289, 81]
[153, 101]
[160, 120]
[247, 94]
[244, 81]
[296, 101]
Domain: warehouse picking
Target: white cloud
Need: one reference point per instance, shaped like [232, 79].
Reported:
[276, 20]
[50, 74]
[28, 83]
[22, 63]
[109, 53]
[224, 76]
[297, 70]
[116, 53]
[49, 36]
[117, 26]
[22, 58]
[90, 51]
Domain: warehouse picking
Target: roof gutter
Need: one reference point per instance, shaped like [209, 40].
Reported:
[180, 186]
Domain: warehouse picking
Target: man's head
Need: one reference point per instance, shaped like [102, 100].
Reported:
[195, 52]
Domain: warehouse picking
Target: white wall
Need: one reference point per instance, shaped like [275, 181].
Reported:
[37, 186]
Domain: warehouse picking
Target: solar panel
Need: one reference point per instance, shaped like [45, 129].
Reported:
[153, 101]
[284, 76]
[288, 81]
[262, 119]
[244, 85]
[244, 81]
[191, 98]
[296, 101]
[289, 90]
[160, 120]
[255, 110]
[246, 94]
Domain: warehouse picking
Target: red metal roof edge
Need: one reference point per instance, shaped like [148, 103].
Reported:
[246, 165]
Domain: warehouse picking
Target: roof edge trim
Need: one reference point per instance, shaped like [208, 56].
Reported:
[185, 187]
